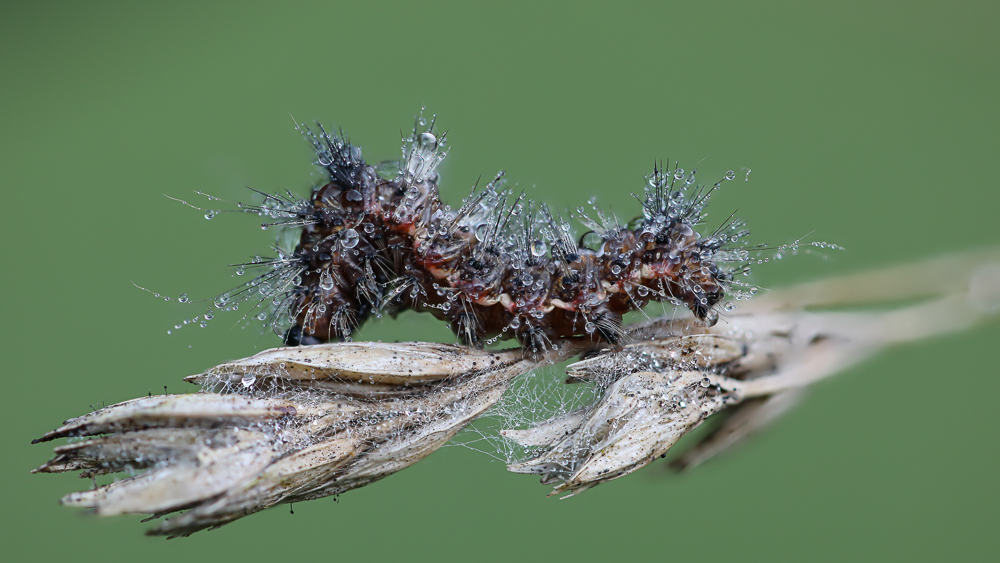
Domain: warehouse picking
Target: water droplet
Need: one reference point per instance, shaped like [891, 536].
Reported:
[350, 238]
[711, 318]
[368, 227]
[616, 269]
[240, 270]
[210, 214]
[482, 231]
[183, 298]
[590, 328]
[248, 380]
[387, 170]
[730, 175]
[354, 195]
[263, 226]
[538, 248]
[209, 315]
[592, 240]
[326, 280]
[426, 139]
[729, 306]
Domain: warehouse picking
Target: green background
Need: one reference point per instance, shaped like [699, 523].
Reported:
[873, 124]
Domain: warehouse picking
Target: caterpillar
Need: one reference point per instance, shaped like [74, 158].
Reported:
[374, 239]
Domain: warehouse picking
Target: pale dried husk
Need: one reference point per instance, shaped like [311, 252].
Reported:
[294, 424]
[226, 455]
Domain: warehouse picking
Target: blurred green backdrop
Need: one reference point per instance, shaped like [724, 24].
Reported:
[872, 124]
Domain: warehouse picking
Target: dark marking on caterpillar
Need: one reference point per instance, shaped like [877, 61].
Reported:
[374, 239]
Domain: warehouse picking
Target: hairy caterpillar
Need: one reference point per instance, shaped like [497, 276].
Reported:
[379, 238]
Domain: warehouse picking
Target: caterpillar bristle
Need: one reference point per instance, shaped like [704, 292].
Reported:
[378, 240]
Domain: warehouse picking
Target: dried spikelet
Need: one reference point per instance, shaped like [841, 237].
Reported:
[294, 424]
[637, 420]
[363, 368]
[750, 370]
[286, 438]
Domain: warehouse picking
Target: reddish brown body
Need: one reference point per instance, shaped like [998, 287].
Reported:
[389, 244]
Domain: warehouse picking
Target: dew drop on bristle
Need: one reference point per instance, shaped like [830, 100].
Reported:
[349, 238]
[592, 241]
[427, 139]
[326, 280]
[711, 318]
[538, 248]
[388, 170]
